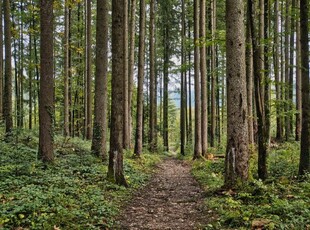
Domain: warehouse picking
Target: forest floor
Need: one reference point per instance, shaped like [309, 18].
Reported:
[172, 199]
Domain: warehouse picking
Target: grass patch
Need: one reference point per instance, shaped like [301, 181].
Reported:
[71, 193]
[282, 202]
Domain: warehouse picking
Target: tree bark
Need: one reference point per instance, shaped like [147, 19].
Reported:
[198, 141]
[213, 74]
[126, 136]
[298, 79]
[88, 93]
[46, 98]
[101, 89]
[279, 133]
[131, 62]
[7, 100]
[66, 71]
[153, 93]
[203, 79]
[1, 62]
[304, 164]
[261, 98]
[141, 61]
[115, 169]
[237, 157]
[183, 85]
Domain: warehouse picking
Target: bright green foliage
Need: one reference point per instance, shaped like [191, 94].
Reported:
[282, 201]
[72, 193]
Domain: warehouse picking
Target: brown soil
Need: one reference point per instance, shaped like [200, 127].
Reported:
[171, 200]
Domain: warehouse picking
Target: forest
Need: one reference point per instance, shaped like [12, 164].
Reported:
[145, 114]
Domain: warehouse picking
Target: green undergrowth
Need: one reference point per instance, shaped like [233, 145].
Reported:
[281, 202]
[71, 193]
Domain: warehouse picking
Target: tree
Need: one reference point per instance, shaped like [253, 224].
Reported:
[203, 79]
[141, 60]
[153, 82]
[46, 97]
[100, 111]
[1, 63]
[198, 145]
[304, 164]
[237, 157]
[213, 73]
[131, 61]
[126, 136]
[7, 100]
[66, 71]
[298, 81]
[261, 86]
[115, 169]
[88, 80]
[183, 84]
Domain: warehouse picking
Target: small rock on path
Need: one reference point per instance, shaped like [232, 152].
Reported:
[171, 200]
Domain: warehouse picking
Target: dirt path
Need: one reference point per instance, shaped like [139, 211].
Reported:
[171, 200]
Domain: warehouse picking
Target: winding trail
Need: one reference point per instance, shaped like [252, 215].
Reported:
[171, 200]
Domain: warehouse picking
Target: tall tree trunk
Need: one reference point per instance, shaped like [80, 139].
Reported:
[153, 93]
[88, 93]
[249, 74]
[46, 99]
[190, 126]
[7, 100]
[213, 74]
[237, 157]
[291, 64]
[198, 141]
[126, 136]
[263, 131]
[66, 71]
[183, 85]
[276, 44]
[131, 62]
[288, 130]
[298, 78]
[101, 82]
[203, 79]
[165, 88]
[115, 169]
[1, 62]
[304, 164]
[141, 61]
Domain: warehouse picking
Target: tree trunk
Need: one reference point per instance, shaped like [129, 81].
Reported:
[131, 62]
[101, 81]
[203, 79]
[237, 157]
[88, 93]
[279, 133]
[198, 141]
[115, 169]
[66, 72]
[183, 85]
[249, 74]
[46, 99]
[298, 79]
[1, 62]
[260, 89]
[213, 74]
[153, 93]
[288, 130]
[141, 61]
[7, 100]
[126, 136]
[304, 164]
[165, 89]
